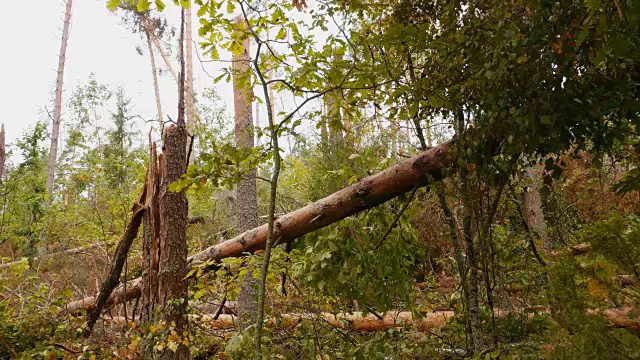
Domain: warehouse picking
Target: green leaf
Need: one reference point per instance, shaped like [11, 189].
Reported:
[112, 5]
[198, 294]
[143, 5]
[231, 7]
[282, 34]
[160, 5]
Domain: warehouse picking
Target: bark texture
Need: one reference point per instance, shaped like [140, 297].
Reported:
[367, 193]
[532, 207]
[172, 285]
[151, 238]
[57, 116]
[174, 209]
[246, 197]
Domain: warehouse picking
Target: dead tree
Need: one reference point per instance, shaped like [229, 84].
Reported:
[151, 237]
[57, 115]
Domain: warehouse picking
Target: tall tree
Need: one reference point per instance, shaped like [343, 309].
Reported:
[55, 130]
[154, 74]
[247, 203]
[190, 109]
[172, 285]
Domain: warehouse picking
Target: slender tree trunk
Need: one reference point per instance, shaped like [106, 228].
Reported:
[2, 153]
[532, 206]
[272, 235]
[174, 209]
[55, 129]
[472, 262]
[156, 87]
[246, 198]
[164, 56]
[190, 95]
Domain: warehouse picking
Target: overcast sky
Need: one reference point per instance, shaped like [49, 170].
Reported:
[98, 43]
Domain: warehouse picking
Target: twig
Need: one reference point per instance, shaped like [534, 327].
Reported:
[71, 351]
[529, 235]
[398, 215]
[369, 309]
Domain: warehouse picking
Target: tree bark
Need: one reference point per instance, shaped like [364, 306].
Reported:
[351, 322]
[174, 210]
[55, 129]
[172, 285]
[119, 259]
[246, 197]
[532, 207]
[151, 238]
[367, 193]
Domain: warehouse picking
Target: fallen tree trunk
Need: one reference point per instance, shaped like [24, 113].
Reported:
[119, 258]
[352, 322]
[365, 194]
[617, 317]
[76, 250]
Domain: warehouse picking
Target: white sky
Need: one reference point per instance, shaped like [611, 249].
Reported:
[98, 43]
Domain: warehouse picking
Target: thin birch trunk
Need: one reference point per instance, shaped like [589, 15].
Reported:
[55, 130]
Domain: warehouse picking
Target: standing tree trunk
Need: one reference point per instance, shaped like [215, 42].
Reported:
[2, 153]
[532, 207]
[189, 63]
[246, 198]
[55, 129]
[473, 309]
[154, 71]
[172, 285]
